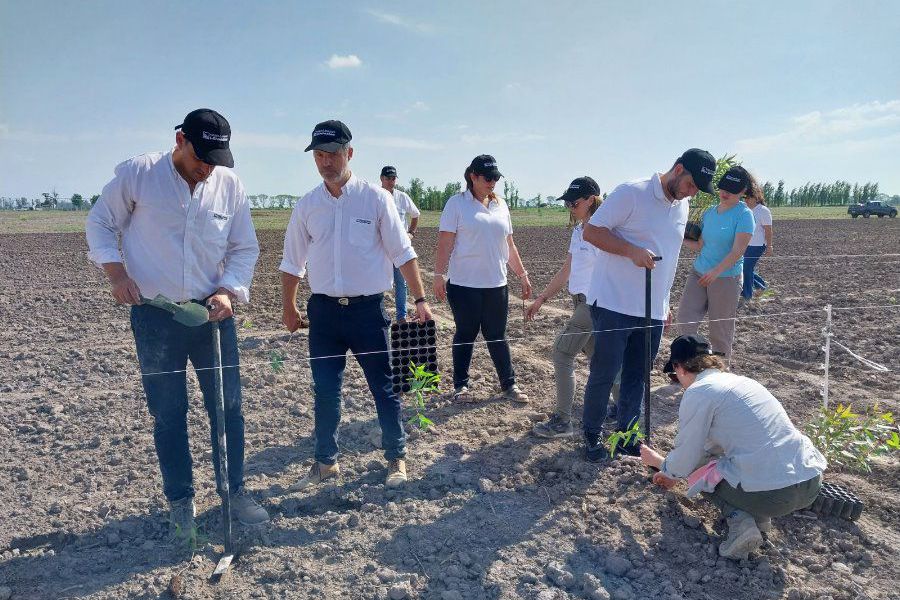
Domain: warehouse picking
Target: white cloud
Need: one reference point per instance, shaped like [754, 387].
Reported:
[416, 107]
[855, 127]
[391, 19]
[351, 61]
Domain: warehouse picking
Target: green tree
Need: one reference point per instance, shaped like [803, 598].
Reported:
[94, 199]
[77, 201]
[702, 200]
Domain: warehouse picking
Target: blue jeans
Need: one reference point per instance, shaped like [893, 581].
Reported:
[164, 345]
[400, 294]
[485, 310]
[620, 349]
[751, 279]
[361, 328]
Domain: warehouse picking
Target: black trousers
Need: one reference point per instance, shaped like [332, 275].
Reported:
[485, 310]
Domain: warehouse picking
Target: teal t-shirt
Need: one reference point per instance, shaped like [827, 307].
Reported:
[718, 237]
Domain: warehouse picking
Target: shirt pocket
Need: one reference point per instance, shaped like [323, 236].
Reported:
[362, 232]
[216, 229]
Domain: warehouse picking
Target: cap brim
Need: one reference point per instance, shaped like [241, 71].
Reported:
[218, 157]
[709, 188]
[668, 367]
[326, 147]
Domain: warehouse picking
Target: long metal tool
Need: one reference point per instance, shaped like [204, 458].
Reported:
[228, 556]
[648, 350]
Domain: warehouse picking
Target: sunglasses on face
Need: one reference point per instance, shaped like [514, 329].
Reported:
[490, 177]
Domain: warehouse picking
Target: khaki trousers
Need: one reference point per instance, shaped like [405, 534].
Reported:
[719, 300]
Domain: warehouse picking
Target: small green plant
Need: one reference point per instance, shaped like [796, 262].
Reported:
[851, 440]
[192, 540]
[618, 439]
[247, 324]
[276, 361]
[421, 382]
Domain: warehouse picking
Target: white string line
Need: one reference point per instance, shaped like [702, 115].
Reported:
[508, 339]
[865, 361]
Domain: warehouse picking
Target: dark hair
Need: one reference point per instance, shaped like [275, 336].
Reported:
[596, 201]
[467, 175]
[701, 362]
[754, 191]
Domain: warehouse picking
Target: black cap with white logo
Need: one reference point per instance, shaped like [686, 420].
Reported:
[329, 136]
[735, 180]
[209, 134]
[686, 347]
[702, 166]
[388, 171]
[580, 188]
[485, 165]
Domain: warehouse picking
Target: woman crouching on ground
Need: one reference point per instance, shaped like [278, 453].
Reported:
[475, 243]
[736, 444]
[581, 198]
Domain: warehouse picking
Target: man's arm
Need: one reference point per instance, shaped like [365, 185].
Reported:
[413, 225]
[242, 251]
[410, 272]
[607, 241]
[290, 314]
[293, 267]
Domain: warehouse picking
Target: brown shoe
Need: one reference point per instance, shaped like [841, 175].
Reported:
[318, 473]
[396, 476]
[514, 394]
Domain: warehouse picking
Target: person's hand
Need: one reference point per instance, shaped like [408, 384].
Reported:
[423, 312]
[440, 287]
[664, 481]
[709, 277]
[670, 318]
[526, 287]
[651, 457]
[125, 290]
[769, 251]
[533, 309]
[641, 257]
[292, 319]
[219, 305]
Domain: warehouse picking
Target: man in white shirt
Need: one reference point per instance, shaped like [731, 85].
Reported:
[347, 233]
[186, 233]
[636, 222]
[405, 206]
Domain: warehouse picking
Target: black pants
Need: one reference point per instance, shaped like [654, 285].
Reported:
[485, 310]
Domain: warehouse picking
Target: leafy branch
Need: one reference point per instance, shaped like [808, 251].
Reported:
[617, 439]
[851, 440]
[276, 361]
[421, 382]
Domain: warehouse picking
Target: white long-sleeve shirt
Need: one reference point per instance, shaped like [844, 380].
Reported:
[739, 422]
[349, 244]
[174, 243]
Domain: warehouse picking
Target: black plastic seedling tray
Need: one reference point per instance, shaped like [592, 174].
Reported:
[414, 342]
[835, 501]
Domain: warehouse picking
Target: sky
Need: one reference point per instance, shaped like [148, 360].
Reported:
[800, 90]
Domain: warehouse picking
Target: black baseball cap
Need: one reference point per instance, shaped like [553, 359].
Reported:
[702, 166]
[388, 171]
[684, 348]
[329, 136]
[485, 164]
[735, 180]
[209, 134]
[580, 188]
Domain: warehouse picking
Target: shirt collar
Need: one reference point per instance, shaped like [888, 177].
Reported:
[472, 197]
[350, 186]
[706, 373]
[658, 193]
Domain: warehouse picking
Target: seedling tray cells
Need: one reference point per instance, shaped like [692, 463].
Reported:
[414, 342]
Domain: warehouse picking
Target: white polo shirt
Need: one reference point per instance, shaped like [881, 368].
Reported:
[174, 243]
[405, 206]
[761, 216]
[639, 213]
[349, 244]
[584, 255]
[481, 250]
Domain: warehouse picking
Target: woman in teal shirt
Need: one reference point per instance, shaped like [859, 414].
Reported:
[714, 284]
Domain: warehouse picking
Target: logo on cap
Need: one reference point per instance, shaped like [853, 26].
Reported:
[707, 171]
[733, 178]
[214, 137]
[320, 132]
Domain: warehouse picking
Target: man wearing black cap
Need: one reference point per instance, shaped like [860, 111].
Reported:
[636, 222]
[186, 234]
[348, 235]
[405, 206]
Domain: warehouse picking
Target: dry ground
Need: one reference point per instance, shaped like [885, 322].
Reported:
[490, 512]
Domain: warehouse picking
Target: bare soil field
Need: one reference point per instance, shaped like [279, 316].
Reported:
[489, 512]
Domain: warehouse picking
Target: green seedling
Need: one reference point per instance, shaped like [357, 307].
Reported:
[421, 382]
[623, 438]
[276, 361]
[850, 440]
[247, 324]
[192, 539]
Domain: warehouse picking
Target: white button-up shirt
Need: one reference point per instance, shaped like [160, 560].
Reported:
[182, 245]
[405, 206]
[737, 421]
[639, 213]
[481, 247]
[349, 244]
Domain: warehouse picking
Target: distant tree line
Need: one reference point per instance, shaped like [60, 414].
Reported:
[839, 193]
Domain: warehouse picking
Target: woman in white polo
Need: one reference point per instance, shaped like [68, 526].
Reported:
[475, 244]
[581, 198]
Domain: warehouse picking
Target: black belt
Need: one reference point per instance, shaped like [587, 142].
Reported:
[348, 300]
